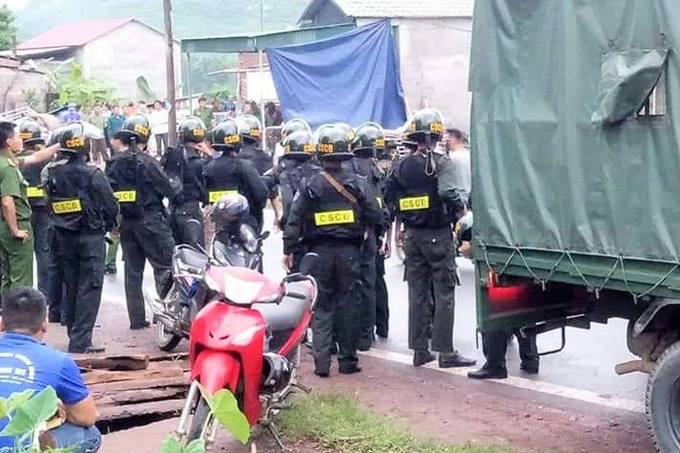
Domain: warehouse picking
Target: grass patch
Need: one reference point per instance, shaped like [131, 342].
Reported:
[338, 423]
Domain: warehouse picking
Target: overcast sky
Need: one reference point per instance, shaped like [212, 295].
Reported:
[19, 4]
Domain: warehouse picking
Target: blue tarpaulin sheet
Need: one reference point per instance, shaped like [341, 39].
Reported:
[351, 78]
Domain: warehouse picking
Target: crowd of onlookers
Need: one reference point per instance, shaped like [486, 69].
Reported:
[109, 117]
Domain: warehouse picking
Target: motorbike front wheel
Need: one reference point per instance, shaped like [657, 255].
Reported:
[200, 421]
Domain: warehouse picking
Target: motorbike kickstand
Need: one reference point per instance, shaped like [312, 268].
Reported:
[274, 432]
[305, 389]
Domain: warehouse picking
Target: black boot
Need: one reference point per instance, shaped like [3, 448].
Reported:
[529, 367]
[422, 357]
[486, 372]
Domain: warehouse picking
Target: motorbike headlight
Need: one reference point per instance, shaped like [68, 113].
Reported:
[248, 238]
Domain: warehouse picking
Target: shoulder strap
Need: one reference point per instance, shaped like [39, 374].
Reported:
[339, 188]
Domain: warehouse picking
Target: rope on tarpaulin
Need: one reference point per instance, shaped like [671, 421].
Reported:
[619, 261]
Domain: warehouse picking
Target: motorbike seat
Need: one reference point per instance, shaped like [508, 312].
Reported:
[192, 258]
[287, 315]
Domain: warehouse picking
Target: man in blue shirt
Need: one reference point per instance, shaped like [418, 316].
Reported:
[26, 363]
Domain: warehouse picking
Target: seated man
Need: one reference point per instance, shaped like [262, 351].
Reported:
[26, 363]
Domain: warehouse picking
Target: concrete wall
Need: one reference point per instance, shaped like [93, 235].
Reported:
[15, 84]
[126, 53]
[435, 61]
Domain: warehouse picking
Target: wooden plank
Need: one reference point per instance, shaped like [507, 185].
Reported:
[112, 387]
[169, 357]
[139, 396]
[102, 376]
[114, 363]
[109, 413]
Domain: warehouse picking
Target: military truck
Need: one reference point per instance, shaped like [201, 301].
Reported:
[576, 177]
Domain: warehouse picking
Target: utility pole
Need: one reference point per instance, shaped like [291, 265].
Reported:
[170, 66]
[261, 15]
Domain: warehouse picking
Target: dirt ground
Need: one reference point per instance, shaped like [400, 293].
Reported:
[453, 409]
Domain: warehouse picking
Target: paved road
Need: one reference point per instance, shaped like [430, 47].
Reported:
[586, 364]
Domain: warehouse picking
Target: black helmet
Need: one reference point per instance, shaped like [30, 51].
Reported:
[251, 128]
[333, 142]
[229, 208]
[369, 140]
[425, 123]
[137, 127]
[192, 130]
[227, 136]
[276, 372]
[72, 139]
[31, 132]
[300, 144]
[294, 125]
[348, 130]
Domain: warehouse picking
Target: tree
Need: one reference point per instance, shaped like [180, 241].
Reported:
[7, 29]
[75, 87]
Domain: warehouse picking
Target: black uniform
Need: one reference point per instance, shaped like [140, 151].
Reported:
[427, 202]
[140, 185]
[365, 167]
[186, 218]
[330, 224]
[260, 159]
[83, 209]
[43, 232]
[228, 173]
[382, 308]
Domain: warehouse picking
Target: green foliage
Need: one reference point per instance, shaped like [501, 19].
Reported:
[27, 412]
[75, 87]
[172, 445]
[221, 93]
[7, 29]
[224, 408]
[338, 423]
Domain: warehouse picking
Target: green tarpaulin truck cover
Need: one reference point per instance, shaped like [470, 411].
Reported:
[574, 126]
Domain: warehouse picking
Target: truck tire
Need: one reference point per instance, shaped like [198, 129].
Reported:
[662, 400]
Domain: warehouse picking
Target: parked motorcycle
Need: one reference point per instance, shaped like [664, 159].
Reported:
[173, 314]
[247, 340]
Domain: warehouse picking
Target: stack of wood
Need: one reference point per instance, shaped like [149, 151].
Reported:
[137, 385]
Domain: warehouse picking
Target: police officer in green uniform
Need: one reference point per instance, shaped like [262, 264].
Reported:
[251, 132]
[140, 185]
[185, 164]
[83, 208]
[422, 194]
[369, 138]
[16, 233]
[32, 137]
[330, 216]
[227, 173]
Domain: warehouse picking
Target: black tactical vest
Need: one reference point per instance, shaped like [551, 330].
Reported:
[223, 177]
[418, 204]
[331, 215]
[35, 192]
[133, 189]
[69, 191]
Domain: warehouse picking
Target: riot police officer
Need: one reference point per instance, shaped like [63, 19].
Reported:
[369, 137]
[428, 204]
[330, 217]
[83, 208]
[228, 174]
[251, 132]
[140, 186]
[32, 135]
[297, 164]
[185, 164]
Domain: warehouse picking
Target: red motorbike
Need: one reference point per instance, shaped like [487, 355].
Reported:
[248, 340]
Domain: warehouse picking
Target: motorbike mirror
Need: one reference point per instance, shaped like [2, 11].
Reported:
[264, 236]
[307, 263]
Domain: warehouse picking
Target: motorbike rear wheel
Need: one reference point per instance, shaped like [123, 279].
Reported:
[200, 421]
[166, 340]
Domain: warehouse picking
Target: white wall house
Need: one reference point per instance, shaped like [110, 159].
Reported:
[434, 38]
[117, 51]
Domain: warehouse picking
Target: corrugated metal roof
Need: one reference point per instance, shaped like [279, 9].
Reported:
[395, 8]
[406, 8]
[73, 34]
[253, 43]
